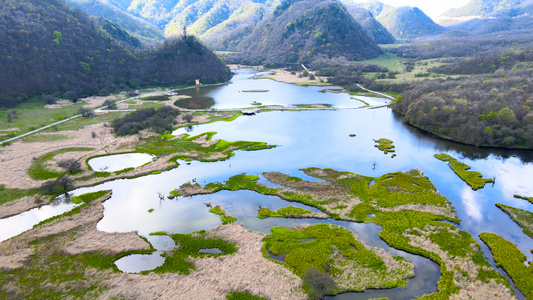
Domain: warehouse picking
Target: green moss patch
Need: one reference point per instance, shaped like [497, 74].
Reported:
[88, 197]
[8, 195]
[522, 217]
[224, 216]
[509, 257]
[385, 145]
[286, 212]
[243, 296]
[189, 246]
[474, 179]
[335, 251]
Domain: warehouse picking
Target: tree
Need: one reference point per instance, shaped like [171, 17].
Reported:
[71, 165]
[86, 112]
[48, 99]
[110, 104]
[11, 115]
[318, 283]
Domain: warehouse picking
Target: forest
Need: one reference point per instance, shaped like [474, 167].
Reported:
[483, 111]
[51, 49]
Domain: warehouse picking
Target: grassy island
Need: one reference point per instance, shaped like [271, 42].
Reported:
[407, 206]
[289, 212]
[522, 217]
[509, 257]
[385, 145]
[474, 179]
[337, 253]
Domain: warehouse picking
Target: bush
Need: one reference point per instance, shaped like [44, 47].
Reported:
[318, 284]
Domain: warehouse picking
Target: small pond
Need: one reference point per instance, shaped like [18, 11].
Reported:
[118, 162]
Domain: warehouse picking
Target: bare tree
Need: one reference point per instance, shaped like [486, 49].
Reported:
[70, 165]
[86, 112]
[110, 104]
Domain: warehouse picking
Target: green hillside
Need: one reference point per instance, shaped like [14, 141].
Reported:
[408, 22]
[302, 30]
[373, 28]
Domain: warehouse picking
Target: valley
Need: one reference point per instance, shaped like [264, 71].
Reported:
[291, 149]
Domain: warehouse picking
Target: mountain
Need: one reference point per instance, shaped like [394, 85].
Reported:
[301, 30]
[408, 22]
[487, 17]
[210, 20]
[50, 48]
[373, 28]
[137, 27]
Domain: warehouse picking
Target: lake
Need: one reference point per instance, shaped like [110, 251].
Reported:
[319, 139]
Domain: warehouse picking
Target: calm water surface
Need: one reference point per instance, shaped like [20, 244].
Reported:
[317, 139]
[113, 163]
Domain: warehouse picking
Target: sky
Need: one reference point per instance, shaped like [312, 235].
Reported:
[432, 8]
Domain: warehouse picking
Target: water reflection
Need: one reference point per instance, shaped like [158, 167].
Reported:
[320, 139]
[113, 163]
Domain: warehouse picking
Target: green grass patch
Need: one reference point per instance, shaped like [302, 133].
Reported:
[522, 217]
[151, 210]
[243, 296]
[159, 233]
[76, 210]
[80, 123]
[88, 197]
[385, 145]
[509, 257]
[190, 245]
[102, 174]
[530, 199]
[285, 212]
[38, 170]
[32, 115]
[225, 219]
[329, 248]
[474, 179]
[159, 146]
[254, 91]
[8, 195]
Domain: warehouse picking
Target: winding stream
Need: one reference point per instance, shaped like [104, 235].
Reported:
[316, 139]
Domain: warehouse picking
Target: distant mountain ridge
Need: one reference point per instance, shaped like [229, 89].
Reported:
[373, 28]
[406, 22]
[301, 30]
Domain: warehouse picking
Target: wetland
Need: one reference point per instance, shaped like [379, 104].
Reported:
[402, 213]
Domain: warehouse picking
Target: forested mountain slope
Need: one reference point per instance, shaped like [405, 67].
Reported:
[137, 27]
[373, 28]
[50, 48]
[408, 22]
[302, 30]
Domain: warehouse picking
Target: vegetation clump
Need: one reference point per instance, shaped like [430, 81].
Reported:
[509, 257]
[189, 246]
[522, 217]
[89, 197]
[336, 252]
[225, 216]
[159, 120]
[530, 199]
[385, 145]
[39, 170]
[243, 296]
[474, 179]
[286, 212]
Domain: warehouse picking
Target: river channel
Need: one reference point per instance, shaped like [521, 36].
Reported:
[317, 139]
